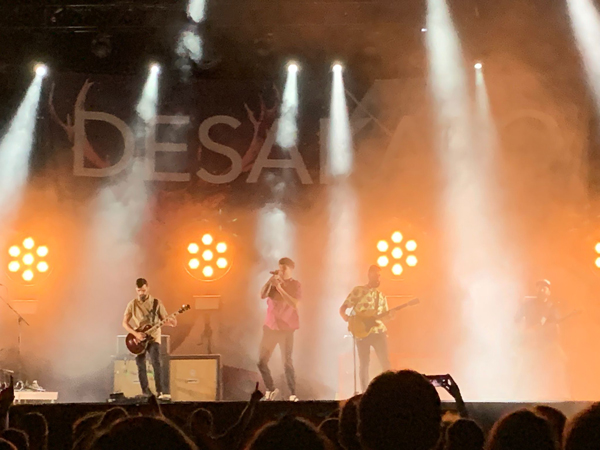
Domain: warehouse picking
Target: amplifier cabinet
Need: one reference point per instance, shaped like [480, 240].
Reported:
[195, 378]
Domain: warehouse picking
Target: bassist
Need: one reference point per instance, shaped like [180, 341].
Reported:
[147, 310]
[369, 302]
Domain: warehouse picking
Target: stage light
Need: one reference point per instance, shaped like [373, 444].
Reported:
[383, 261]
[423, 30]
[221, 263]
[197, 10]
[213, 261]
[478, 66]
[208, 271]
[155, 68]
[41, 70]
[382, 246]
[337, 67]
[28, 275]
[25, 257]
[598, 262]
[292, 68]
[597, 247]
[411, 260]
[394, 254]
[397, 253]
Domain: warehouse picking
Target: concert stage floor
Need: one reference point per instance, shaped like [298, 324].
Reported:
[61, 416]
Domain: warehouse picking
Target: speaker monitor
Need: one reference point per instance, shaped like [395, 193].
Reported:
[195, 378]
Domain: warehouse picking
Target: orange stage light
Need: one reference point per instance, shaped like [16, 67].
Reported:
[382, 246]
[208, 271]
[383, 261]
[26, 256]
[215, 256]
[28, 275]
[387, 254]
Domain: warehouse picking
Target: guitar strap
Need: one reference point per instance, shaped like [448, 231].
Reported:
[154, 310]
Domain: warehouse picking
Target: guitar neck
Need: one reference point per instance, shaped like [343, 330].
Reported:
[162, 322]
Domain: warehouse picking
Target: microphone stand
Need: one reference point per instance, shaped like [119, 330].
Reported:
[20, 320]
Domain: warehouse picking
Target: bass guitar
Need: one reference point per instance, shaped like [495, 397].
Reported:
[360, 324]
[138, 347]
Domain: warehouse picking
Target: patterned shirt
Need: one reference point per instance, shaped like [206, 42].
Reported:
[370, 302]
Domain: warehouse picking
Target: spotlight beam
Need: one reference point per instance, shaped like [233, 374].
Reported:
[287, 127]
[146, 107]
[15, 148]
[340, 150]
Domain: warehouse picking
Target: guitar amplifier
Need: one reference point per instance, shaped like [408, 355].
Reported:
[195, 378]
[165, 346]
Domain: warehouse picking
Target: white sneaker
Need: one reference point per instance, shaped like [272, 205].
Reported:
[271, 395]
[293, 398]
[164, 397]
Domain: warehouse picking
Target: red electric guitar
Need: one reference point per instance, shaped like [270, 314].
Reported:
[137, 347]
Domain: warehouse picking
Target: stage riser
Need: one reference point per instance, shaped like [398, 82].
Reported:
[61, 416]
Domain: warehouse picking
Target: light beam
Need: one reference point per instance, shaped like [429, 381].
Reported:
[287, 126]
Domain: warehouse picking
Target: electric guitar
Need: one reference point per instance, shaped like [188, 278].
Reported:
[138, 347]
[360, 324]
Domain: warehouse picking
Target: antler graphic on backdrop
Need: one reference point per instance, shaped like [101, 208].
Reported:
[262, 123]
[69, 126]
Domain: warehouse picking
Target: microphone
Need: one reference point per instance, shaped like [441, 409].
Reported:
[274, 272]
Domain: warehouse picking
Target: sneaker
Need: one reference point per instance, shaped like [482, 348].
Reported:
[271, 395]
[293, 398]
[164, 397]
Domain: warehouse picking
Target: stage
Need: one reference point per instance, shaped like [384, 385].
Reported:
[61, 416]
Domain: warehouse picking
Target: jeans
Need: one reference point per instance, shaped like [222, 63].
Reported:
[379, 343]
[153, 350]
[285, 339]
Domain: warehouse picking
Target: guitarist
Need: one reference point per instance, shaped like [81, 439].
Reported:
[368, 301]
[147, 310]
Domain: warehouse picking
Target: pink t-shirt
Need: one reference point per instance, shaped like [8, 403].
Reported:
[280, 314]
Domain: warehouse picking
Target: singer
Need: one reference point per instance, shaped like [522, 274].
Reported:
[282, 293]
